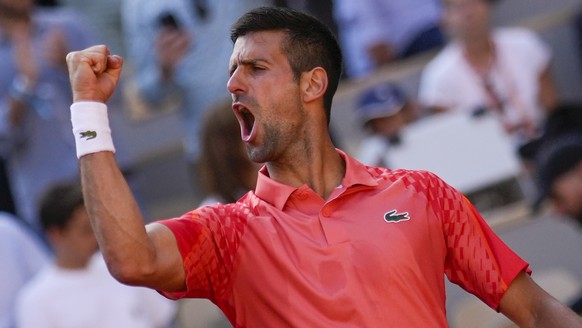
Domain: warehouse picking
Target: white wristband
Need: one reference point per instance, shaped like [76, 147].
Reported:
[91, 128]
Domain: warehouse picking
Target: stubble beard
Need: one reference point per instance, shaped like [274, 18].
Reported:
[267, 151]
[278, 137]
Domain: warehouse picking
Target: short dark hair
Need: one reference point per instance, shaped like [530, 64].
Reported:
[309, 42]
[58, 204]
[555, 158]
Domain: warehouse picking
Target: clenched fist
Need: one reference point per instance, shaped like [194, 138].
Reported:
[94, 73]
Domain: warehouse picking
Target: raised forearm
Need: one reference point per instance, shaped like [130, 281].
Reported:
[116, 218]
[133, 254]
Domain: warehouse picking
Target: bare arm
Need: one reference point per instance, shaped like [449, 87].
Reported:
[528, 305]
[134, 255]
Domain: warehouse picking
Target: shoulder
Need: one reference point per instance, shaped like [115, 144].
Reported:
[39, 289]
[517, 36]
[420, 186]
[446, 61]
[448, 56]
[211, 219]
[15, 235]
[419, 180]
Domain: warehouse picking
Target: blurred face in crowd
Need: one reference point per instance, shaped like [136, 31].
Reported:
[74, 244]
[467, 19]
[566, 193]
[16, 8]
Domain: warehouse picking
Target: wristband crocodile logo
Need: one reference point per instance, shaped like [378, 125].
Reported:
[394, 216]
[88, 135]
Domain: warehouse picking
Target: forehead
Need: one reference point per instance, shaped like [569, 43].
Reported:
[264, 45]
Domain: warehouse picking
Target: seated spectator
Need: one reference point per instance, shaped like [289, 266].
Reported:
[505, 71]
[565, 119]
[22, 254]
[374, 33]
[76, 290]
[559, 177]
[383, 111]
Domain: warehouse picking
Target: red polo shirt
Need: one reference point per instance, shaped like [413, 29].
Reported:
[374, 254]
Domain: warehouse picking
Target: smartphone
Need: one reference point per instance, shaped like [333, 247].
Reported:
[168, 20]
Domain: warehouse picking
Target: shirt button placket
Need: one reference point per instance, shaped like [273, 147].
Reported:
[326, 211]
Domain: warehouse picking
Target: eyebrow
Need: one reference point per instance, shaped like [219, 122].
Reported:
[246, 62]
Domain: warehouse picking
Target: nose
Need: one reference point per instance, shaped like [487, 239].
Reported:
[235, 82]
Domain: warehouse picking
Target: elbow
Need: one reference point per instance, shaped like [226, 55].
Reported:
[129, 273]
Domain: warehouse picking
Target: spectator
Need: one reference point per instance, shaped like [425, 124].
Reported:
[559, 177]
[22, 254]
[226, 172]
[383, 110]
[34, 93]
[377, 32]
[190, 45]
[505, 71]
[76, 290]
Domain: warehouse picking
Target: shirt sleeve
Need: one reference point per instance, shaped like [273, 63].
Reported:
[208, 239]
[477, 259]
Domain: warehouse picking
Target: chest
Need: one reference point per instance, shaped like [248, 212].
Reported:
[355, 251]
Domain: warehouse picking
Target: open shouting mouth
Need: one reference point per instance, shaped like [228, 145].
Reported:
[246, 119]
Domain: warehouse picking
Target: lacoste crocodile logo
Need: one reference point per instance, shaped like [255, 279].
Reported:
[393, 216]
[88, 135]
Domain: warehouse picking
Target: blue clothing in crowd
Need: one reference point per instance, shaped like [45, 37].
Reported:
[39, 150]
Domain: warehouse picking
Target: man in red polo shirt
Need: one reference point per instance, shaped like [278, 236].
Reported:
[323, 241]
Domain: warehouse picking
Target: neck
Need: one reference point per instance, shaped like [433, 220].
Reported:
[71, 265]
[317, 165]
[480, 52]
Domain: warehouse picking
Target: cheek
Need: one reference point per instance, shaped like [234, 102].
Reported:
[568, 197]
[87, 238]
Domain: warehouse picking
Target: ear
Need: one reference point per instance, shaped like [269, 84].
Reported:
[313, 84]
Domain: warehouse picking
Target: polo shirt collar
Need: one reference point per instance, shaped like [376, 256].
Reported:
[277, 193]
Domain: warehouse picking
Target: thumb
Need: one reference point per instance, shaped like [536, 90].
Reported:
[114, 65]
[114, 62]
